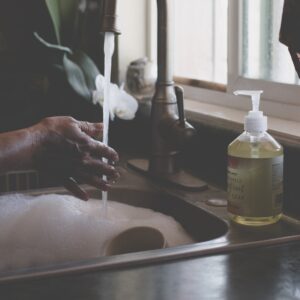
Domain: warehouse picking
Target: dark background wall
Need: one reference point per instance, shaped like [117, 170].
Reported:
[32, 83]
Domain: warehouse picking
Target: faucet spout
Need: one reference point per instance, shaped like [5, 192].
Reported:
[110, 22]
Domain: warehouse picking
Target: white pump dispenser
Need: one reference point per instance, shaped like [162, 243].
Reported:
[255, 121]
[255, 171]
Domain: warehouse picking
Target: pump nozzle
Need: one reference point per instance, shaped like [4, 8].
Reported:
[255, 97]
[255, 121]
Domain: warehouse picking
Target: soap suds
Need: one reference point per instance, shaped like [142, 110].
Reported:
[50, 229]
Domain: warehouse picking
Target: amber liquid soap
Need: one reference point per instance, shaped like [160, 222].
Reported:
[255, 167]
[255, 176]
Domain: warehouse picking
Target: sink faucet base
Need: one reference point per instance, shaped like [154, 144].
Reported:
[180, 178]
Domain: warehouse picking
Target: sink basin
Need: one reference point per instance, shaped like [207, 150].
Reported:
[207, 225]
[200, 224]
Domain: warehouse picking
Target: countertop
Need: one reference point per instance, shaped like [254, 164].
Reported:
[261, 273]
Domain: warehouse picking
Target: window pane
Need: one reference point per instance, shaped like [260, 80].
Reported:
[263, 56]
[201, 39]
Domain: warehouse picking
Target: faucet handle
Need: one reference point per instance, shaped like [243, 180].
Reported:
[180, 104]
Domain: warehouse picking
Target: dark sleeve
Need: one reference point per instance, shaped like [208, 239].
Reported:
[21, 60]
[18, 20]
[290, 30]
[290, 24]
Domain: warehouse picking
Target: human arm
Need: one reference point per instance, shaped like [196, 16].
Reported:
[63, 147]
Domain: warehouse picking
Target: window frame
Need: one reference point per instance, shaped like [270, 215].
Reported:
[279, 92]
[280, 100]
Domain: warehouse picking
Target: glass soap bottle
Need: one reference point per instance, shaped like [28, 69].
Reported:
[255, 171]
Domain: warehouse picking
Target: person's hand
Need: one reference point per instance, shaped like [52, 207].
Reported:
[69, 150]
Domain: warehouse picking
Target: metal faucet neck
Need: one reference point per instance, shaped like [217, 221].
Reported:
[164, 42]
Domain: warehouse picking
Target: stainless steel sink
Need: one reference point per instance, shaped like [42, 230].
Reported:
[194, 220]
[206, 223]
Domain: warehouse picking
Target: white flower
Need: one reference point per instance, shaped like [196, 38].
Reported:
[121, 104]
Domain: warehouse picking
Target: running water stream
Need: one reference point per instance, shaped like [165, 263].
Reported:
[109, 46]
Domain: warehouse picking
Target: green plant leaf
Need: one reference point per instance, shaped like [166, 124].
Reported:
[54, 11]
[69, 14]
[76, 78]
[88, 67]
[80, 70]
[52, 46]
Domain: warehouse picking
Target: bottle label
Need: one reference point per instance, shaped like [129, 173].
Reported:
[255, 186]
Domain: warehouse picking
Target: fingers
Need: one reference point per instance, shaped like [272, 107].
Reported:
[94, 130]
[98, 149]
[71, 150]
[97, 167]
[71, 185]
[94, 181]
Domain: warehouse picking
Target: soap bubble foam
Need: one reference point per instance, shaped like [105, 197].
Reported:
[53, 228]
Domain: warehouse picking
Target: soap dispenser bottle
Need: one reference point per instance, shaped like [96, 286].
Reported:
[255, 171]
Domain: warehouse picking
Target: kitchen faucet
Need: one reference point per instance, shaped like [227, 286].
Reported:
[169, 129]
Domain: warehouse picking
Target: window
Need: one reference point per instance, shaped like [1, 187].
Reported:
[263, 57]
[257, 60]
[235, 43]
[201, 39]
